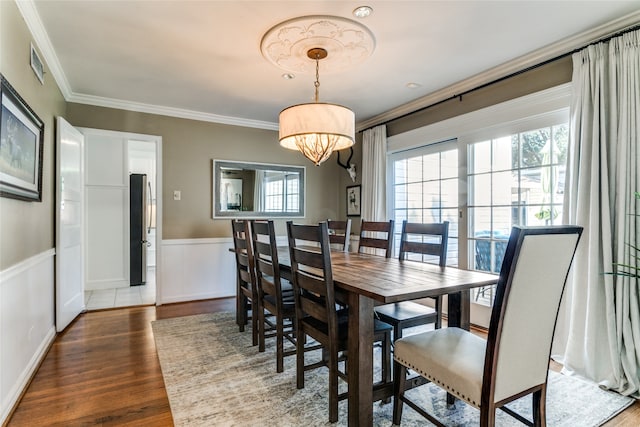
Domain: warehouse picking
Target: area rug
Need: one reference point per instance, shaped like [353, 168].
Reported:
[214, 376]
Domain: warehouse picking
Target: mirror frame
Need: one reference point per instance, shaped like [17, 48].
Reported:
[217, 178]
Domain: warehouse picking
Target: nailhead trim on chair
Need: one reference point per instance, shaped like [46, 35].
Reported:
[435, 380]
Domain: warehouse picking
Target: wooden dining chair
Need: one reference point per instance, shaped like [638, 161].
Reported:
[316, 312]
[274, 298]
[514, 360]
[420, 239]
[376, 235]
[246, 290]
[339, 234]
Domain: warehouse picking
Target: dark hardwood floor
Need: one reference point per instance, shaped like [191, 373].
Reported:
[104, 370]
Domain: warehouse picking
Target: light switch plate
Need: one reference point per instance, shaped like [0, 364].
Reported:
[176, 195]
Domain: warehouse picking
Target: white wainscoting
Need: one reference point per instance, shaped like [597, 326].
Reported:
[26, 323]
[193, 269]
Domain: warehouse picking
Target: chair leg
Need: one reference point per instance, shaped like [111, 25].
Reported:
[539, 407]
[300, 358]
[279, 344]
[488, 415]
[399, 375]
[239, 306]
[255, 315]
[261, 330]
[333, 386]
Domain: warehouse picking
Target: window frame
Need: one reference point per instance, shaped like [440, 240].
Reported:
[541, 109]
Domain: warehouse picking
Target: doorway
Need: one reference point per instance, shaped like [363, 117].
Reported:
[111, 157]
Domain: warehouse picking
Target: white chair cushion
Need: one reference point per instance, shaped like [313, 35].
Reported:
[450, 357]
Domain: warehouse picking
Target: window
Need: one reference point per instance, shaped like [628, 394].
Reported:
[505, 167]
[425, 190]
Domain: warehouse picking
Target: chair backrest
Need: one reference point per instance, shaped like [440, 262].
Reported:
[339, 232]
[532, 279]
[425, 239]
[312, 275]
[371, 236]
[266, 259]
[244, 251]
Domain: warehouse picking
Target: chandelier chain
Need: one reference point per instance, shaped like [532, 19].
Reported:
[317, 82]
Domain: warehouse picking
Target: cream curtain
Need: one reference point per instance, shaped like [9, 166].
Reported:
[598, 334]
[374, 174]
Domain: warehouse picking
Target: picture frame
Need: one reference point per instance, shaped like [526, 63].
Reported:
[21, 147]
[37, 65]
[354, 205]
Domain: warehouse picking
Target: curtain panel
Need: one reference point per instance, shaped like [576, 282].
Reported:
[598, 331]
[374, 174]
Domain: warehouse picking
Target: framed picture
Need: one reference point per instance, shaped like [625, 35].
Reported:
[353, 201]
[21, 144]
[36, 64]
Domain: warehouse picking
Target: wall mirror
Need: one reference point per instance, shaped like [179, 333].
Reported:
[259, 190]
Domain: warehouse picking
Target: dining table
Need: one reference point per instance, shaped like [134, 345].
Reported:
[364, 281]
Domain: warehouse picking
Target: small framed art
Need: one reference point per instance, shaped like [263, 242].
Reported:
[353, 200]
[36, 64]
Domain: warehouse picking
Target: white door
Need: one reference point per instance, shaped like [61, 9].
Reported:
[69, 224]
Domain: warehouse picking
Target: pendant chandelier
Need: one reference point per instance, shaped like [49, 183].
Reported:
[317, 129]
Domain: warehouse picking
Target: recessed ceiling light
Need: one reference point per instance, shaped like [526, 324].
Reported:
[288, 76]
[413, 85]
[362, 11]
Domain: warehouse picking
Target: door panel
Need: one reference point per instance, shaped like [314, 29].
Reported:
[69, 224]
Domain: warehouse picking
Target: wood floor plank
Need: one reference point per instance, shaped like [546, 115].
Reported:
[104, 370]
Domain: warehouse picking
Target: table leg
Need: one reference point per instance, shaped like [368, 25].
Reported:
[458, 308]
[360, 360]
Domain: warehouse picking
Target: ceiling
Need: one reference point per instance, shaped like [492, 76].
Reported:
[202, 59]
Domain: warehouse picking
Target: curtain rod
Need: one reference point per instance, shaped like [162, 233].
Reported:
[516, 73]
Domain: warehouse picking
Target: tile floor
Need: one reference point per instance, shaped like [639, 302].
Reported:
[123, 297]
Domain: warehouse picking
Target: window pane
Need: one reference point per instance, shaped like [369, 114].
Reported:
[401, 196]
[480, 194]
[560, 143]
[414, 195]
[451, 215]
[501, 221]
[431, 164]
[449, 166]
[400, 171]
[504, 187]
[533, 147]
[480, 157]
[502, 154]
[414, 169]
[449, 192]
[480, 221]
[431, 194]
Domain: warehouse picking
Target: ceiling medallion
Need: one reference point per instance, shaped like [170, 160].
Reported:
[286, 44]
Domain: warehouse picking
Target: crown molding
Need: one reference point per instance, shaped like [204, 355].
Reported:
[523, 62]
[30, 14]
[34, 23]
[182, 113]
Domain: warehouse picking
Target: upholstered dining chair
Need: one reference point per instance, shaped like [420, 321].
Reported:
[419, 239]
[246, 290]
[376, 235]
[514, 360]
[316, 312]
[339, 234]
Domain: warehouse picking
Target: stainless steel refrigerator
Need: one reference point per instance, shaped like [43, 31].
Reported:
[139, 193]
